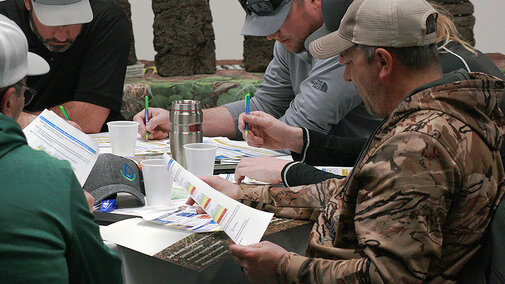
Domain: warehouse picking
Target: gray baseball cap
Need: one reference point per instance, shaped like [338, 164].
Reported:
[386, 23]
[264, 17]
[62, 12]
[112, 174]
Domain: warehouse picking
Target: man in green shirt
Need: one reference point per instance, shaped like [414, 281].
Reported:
[47, 233]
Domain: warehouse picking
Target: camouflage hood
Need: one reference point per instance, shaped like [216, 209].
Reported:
[457, 99]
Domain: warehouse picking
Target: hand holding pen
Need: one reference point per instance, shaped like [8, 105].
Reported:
[269, 132]
[147, 116]
[157, 118]
[73, 123]
[247, 101]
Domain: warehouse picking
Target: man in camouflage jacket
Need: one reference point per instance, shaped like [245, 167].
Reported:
[422, 194]
[418, 202]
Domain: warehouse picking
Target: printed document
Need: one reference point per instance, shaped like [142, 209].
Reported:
[229, 151]
[243, 224]
[50, 133]
[175, 215]
[142, 147]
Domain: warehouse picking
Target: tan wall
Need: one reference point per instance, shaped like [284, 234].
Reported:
[229, 17]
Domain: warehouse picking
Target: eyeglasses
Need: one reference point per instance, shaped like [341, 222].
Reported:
[261, 7]
[29, 94]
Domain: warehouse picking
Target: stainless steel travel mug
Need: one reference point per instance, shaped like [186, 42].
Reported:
[185, 127]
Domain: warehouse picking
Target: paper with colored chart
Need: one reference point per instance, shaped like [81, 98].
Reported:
[243, 224]
[186, 218]
[53, 135]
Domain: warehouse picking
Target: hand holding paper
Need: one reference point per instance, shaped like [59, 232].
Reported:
[259, 261]
[243, 224]
[220, 184]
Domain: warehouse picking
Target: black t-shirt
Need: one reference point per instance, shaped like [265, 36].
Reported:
[454, 56]
[92, 70]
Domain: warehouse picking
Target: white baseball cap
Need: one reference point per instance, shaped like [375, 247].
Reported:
[383, 23]
[62, 12]
[15, 60]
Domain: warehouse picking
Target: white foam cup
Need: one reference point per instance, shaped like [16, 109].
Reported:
[123, 136]
[157, 182]
[200, 158]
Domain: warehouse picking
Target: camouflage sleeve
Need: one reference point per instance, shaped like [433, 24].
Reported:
[300, 202]
[405, 190]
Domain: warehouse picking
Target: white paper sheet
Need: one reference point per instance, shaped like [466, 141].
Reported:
[229, 151]
[150, 212]
[142, 236]
[142, 147]
[52, 134]
[243, 224]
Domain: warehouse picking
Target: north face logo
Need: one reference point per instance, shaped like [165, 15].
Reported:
[319, 85]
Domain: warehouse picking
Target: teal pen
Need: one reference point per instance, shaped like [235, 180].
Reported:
[247, 99]
[147, 116]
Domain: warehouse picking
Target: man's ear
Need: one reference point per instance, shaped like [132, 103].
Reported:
[8, 103]
[28, 5]
[384, 61]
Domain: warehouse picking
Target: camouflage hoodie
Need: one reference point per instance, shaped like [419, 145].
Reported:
[419, 199]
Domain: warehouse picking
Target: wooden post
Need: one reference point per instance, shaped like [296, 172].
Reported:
[183, 37]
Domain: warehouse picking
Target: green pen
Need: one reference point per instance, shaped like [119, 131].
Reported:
[64, 112]
[147, 116]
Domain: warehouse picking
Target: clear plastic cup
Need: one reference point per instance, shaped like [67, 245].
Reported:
[123, 137]
[157, 182]
[200, 158]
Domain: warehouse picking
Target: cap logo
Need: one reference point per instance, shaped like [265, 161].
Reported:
[319, 85]
[128, 173]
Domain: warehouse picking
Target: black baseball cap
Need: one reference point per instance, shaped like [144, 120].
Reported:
[333, 12]
[113, 174]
